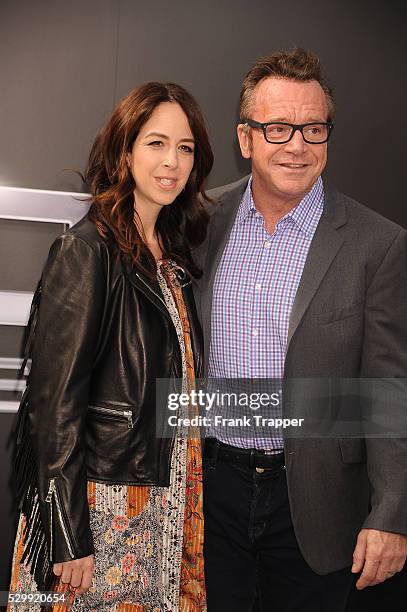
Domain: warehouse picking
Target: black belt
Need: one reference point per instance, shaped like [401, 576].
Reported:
[244, 456]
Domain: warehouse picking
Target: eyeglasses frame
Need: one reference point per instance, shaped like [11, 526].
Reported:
[300, 126]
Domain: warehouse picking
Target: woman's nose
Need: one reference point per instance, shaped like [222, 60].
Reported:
[171, 159]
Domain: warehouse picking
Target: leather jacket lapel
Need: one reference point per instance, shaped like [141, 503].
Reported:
[147, 286]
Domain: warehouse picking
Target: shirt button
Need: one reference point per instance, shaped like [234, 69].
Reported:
[267, 244]
[258, 286]
[255, 333]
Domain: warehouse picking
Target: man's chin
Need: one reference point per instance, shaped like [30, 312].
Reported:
[294, 189]
[288, 189]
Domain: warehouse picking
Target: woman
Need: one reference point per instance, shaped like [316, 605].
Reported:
[112, 507]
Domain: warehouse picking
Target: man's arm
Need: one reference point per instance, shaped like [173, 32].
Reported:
[381, 548]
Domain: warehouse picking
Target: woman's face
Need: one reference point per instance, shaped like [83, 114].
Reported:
[162, 157]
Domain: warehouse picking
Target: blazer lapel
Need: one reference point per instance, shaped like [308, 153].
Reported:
[325, 245]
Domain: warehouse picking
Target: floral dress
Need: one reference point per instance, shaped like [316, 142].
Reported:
[148, 540]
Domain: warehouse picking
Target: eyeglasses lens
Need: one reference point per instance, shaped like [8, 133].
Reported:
[315, 132]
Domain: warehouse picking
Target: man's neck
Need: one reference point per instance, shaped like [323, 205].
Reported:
[271, 206]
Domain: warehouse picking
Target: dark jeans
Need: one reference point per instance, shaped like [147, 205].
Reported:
[252, 559]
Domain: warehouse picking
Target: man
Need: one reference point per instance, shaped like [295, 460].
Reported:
[299, 282]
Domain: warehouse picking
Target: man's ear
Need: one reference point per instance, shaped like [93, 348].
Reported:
[245, 141]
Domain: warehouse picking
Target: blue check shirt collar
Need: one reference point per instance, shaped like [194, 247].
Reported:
[305, 215]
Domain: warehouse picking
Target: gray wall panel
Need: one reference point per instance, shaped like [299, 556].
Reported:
[11, 337]
[26, 244]
[57, 66]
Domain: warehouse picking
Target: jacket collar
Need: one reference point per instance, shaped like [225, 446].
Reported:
[150, 288]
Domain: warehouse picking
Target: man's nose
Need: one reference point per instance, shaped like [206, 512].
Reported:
[297, 144]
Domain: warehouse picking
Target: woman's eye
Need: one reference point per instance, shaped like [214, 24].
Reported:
[155, 143]
[186, 149]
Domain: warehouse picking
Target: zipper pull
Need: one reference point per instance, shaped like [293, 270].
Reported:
[129, 416]
[51, 490]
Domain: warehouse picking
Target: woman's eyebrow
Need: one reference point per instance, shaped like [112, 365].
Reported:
[157, 134]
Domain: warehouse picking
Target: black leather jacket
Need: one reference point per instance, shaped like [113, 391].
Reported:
[102, 338]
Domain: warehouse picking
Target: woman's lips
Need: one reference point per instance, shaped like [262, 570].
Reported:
[166, 183]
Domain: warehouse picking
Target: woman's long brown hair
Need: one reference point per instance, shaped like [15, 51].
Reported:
[180, 225]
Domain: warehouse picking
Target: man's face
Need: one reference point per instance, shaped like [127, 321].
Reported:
[285, 173]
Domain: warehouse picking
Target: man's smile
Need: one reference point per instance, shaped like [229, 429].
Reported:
[292, 166]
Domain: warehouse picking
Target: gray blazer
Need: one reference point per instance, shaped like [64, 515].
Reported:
[349, 320]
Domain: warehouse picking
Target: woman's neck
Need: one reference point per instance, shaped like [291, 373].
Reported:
[145, 222]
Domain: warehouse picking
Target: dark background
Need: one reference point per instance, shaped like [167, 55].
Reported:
[64, 66]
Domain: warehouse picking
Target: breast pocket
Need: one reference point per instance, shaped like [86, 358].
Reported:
[339, 314]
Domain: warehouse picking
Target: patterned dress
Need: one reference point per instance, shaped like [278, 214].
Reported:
[148, 540]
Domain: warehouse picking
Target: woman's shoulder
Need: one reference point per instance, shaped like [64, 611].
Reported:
[85, 230]
[82, 235]
[80, 244]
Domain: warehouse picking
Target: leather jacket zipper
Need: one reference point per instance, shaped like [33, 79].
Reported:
[53, 493]
[121, 414]
[48, 499]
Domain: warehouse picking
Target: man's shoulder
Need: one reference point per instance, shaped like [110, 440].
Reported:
[233, 191]
[361, 216]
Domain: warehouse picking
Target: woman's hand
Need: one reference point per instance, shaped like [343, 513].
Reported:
[77, 573]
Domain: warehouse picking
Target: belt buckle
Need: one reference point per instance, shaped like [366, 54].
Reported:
[253, 463]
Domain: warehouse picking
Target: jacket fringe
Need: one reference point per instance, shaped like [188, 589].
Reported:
[29, 334]
[35, 552]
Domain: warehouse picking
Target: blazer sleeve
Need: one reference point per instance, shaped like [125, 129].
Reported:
[64, 346]
[385, 357]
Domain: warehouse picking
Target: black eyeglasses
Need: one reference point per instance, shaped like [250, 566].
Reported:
[278, 132]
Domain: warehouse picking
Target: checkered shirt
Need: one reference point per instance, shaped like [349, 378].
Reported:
[253, 294]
